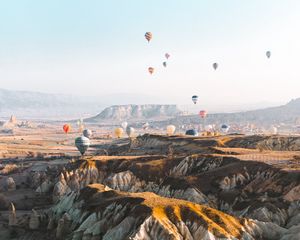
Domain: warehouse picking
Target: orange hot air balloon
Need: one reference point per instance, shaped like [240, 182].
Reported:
[202, 113]
[148, 36]
[150, 70]
[67, 128]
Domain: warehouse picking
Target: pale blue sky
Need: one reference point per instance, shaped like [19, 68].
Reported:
[96, 47]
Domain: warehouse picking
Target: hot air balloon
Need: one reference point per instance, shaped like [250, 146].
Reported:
[268, 54]
[195, 99]
[150, 70]
[148, 36]
[202, 113]
[145, 126]
[67, 128]
[225, 128]
[124, 125]
[130, 131]
[82, 143]
[171, 129]
[215, 66]
[87, 133]
[165, 64]
[192, 132]
[119, 132]
[209, 128]
[167, 55]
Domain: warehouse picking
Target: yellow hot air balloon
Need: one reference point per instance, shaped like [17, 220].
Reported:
[170, 129]
[119, 132]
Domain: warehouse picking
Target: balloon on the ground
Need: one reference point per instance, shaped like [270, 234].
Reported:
[167, 55]
[119, 132]
[209, 128]
[130, 131]
[82, 143]
[215, 66]
[192, 132]
[151, 70]
[225, 128]
[268, 54]
[195, 99]
[67, 128]
[202, 113]
[87, 133]
[124, 125]
[165, 64]
[148, 36]
[171, 129]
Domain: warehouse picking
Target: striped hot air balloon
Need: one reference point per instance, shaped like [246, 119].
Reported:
[82, 143]
[195, 99]
[148, 36]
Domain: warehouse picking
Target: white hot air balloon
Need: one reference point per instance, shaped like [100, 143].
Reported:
[87, 133]
[124, 125]
[82, 143]
[146, 126]
[130, 131]
[171, 129]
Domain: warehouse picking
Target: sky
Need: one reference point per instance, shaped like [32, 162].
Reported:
[98, 48]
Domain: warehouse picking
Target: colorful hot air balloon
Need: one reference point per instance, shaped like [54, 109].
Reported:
[67, 128]
[82, 143]
[165, 64]
[87, 133]
[171, 129]
[215, 66]
[167, 55]
[148, 36]
[150, 70]
[130, 131]
[119, 132]
[202, 113]
[195, 99]
[124, 125]
[268, 54]
[192, 132]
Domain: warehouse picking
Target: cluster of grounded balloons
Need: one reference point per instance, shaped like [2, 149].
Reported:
[148, 36]
[129, 130]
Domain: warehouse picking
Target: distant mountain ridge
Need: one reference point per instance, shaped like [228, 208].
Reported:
[133, 111]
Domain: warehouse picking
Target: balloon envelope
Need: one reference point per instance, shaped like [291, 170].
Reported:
[225, 128]
[151, 70]
[195, 99]
[124, 125]
[145, 126]
[130, 131]
[119, 132]
[67, 128]
[170, 129]
[268, 54]
[165, 64]
[202, 113]
[167, 55]
[191, 132]
[87, 133]
[148, 36]
[215, 66]
[82, 143]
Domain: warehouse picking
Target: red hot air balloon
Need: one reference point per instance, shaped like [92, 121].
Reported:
[202, 113]
[67, 128]
[150, 70]
[148, 36]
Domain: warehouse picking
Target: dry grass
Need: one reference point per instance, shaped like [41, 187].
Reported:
[8, 169]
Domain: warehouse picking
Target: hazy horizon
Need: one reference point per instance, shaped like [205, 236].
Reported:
[95, 48]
